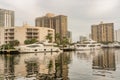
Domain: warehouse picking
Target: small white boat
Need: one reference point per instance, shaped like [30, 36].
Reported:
[104, 46]
[111, 45]
[116, 45]
[88, 45]
[39, 47]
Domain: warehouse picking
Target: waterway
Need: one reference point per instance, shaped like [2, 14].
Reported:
[101, 64]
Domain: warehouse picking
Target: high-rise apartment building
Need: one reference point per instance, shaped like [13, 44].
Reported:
[59, 23]
[103, 32]
[6, 18]
[45, 21]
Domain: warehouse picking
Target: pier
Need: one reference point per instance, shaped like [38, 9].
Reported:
[8, 51]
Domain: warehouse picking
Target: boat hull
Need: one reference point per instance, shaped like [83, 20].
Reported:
[37, 50]
[88, 48]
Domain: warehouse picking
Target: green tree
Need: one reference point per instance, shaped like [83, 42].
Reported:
[64, 41]
[34, 40]
[57, 38]
[106, 42]
[14, 43]
[27, 41]
[7, 46]
[30, 41]
[49, 37]
[50, 66]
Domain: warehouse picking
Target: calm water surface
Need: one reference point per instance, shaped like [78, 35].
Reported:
[80, 65]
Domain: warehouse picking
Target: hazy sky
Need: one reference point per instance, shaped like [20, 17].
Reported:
[81, 13]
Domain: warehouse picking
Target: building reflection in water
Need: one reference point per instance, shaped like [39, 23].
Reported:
[85, 55]
[7, 67]
[105, 60]
[40, 66]
[62, 66]
[32, 66]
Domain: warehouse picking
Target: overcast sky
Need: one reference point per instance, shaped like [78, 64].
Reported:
[81, 13]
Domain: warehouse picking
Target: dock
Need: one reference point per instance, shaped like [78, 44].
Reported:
[9, 51]
[68, 49]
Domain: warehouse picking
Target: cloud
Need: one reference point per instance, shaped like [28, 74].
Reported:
[81, 13]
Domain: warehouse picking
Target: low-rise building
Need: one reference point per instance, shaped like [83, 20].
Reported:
[82, 39]
[23, 33]
[117, 35]
[69, 36]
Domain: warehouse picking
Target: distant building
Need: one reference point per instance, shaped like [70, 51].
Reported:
[23, 33]
[6, 18]
[117, 35]
[59, 23]
[83, 38]
[45, 21]
[103, 32]
[69, 36]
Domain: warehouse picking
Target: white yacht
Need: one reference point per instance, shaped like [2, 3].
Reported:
[111, 45]
[88, 45]
[39, 47]
[116, 45]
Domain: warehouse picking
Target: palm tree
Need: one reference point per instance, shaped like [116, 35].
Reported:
[49, 37]
[15, 42]
[7, 46]
[57, 38]
[50, 66]
[65, 41]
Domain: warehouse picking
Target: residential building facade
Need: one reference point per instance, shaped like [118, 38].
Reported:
[6, 18]
[59, 23]
[23, 33]
[117, 35]
[82, 39]
[69, 36]
[103, 32]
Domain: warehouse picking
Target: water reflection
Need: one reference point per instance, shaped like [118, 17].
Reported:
[85, 55]
[105, 60]
[101, 64]
[38, 66]
[81, 65]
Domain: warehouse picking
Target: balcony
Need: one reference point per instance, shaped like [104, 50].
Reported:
[35, 37]
[11, 37]
[35, 33]
[35, 30]
[29, 33]
[29, 30]
[11, 33]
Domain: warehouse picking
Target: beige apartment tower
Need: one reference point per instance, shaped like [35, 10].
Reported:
[6, 18]
[59, 23]
[103, 32]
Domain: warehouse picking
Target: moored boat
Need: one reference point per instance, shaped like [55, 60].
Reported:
[88, 45]
[39, 47]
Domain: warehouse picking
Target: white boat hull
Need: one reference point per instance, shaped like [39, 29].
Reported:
[38, 47]
[35, 50]
[88, 48]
